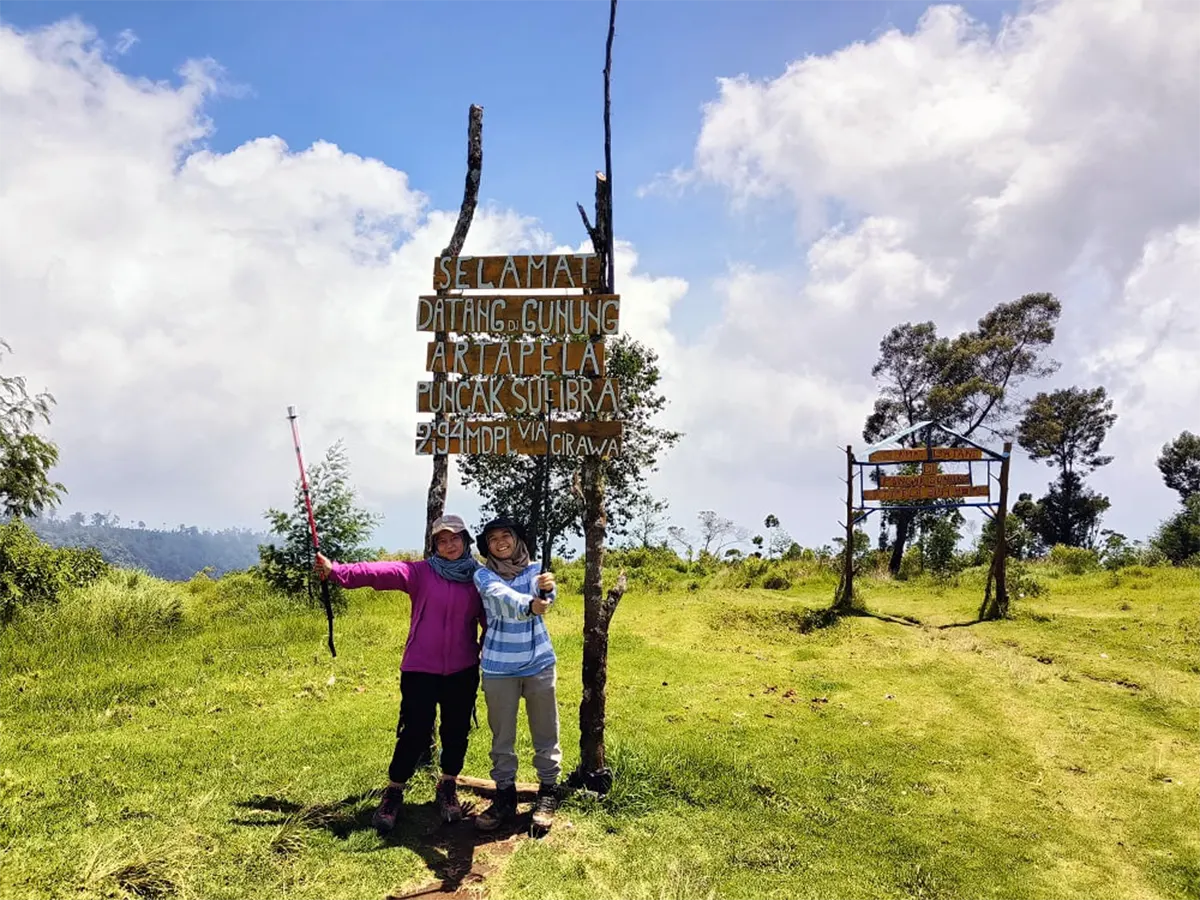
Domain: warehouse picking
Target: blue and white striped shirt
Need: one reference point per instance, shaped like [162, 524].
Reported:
[516, 643]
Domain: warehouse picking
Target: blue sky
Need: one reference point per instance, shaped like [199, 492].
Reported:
[394, 81]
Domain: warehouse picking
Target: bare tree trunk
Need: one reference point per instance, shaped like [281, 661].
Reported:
[997, 607]
[435, 502]
[844, 599]
[598, 610]
[904, 519]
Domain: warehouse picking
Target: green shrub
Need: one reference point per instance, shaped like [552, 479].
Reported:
[34, 574]
[1073, 560]
[1020, 581]
[911, 564]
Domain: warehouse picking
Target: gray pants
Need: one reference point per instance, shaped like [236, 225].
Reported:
[541, 708]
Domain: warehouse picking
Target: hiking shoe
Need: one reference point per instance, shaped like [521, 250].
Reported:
[385, 816]
[503, 808]
[543, 810]
[447, 799]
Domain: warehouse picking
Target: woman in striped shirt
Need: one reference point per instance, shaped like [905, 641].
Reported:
[518, 661]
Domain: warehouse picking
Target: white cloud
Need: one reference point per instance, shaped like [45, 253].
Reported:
[1059, 153]
[125, 41]
[176, 300]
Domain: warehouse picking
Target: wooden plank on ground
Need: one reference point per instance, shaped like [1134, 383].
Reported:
[525, 789]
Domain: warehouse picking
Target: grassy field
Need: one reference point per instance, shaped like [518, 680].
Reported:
[213, 750]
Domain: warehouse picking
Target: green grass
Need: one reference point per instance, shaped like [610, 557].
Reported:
[204, 745]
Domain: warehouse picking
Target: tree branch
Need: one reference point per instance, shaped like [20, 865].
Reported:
[466, 211]
[615, 593]
[612, 26]
[435, 502]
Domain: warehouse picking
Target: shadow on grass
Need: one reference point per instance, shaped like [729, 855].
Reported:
[911, 621]
[448, 850]
[964, 624]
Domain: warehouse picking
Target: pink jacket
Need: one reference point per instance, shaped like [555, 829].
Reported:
[445, 632]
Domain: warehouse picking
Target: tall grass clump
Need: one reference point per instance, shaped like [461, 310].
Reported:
[124, 604]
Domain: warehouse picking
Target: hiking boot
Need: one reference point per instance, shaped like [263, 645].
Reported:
[385, 816]
[447, 799]
[503, 808]
[543, 810]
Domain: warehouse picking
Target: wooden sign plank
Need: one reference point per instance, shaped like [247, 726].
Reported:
[516, 358]
[516, 273]
[577, 314]
[927, 492]
[529, 437]
[920, 454]
[518, 396]
[898, 481]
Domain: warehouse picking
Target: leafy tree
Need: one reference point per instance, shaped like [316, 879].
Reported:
[939, 542]
[965, 383]
[1178, 538]
[26, 458]
[342, 526]
[1179, 463]
[512, 484]
[1066, 428]
[1069, 514]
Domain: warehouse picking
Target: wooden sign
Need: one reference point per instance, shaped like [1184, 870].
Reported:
[577, 314]
[927, 492]
[517, 396]
[921, 454]
[529, 437]
[886, 481]
[516, 273]
[515, 358]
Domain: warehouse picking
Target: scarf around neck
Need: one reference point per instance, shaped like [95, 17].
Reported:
[510, 568]
[461, 569]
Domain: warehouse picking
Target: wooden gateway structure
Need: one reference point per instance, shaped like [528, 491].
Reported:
[934, 448]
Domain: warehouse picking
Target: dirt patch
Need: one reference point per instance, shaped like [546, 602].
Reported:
[453, 859]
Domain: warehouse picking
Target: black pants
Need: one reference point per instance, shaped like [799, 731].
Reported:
[421, 693]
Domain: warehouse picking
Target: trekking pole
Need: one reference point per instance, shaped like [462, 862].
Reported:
[546, 498]
[312, 526]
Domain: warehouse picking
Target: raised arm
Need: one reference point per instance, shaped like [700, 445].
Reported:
[385, 575]
[500, 600]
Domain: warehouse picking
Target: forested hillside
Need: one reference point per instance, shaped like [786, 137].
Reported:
[175, 555]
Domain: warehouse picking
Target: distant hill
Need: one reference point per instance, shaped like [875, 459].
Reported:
[175, 555]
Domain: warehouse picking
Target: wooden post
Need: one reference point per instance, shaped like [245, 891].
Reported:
[593, 772]
[844, 601]
[996, 607]
[435, 503]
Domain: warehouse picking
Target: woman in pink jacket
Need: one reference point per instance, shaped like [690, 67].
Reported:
[440, 667]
